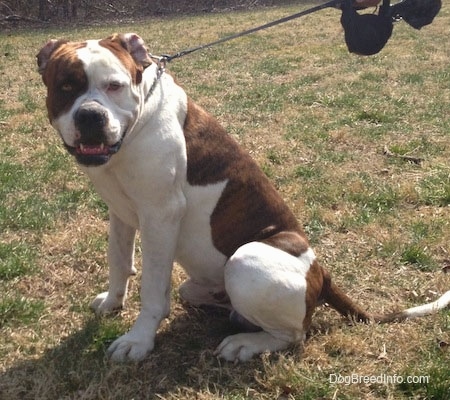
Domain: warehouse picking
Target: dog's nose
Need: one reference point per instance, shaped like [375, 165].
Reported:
[91, 119]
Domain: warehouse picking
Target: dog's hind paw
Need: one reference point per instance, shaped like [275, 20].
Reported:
[243, 346]
[105, 304]
[129, 348]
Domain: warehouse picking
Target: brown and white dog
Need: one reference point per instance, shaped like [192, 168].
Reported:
[166, 167]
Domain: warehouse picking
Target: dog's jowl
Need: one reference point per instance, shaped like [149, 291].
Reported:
[165, 167]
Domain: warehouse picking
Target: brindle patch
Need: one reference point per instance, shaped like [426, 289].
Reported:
[249, 208]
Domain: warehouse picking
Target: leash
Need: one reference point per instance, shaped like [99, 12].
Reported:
[161, 67]
[166, 58]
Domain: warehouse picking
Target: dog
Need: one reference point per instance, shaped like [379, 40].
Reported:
[166, 168]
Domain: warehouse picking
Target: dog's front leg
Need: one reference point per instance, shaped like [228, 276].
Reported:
[120, 261]
[159, 234]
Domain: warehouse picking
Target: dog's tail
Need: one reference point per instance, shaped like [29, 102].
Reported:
[337, 299]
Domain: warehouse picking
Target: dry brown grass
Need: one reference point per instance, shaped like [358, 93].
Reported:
[317, 120]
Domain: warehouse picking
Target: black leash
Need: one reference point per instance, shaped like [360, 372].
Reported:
[165, 58]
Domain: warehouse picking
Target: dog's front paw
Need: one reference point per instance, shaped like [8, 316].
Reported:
[129, 347]
[105, 304]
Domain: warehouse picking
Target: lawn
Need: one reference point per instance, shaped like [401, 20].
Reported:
[359, 148]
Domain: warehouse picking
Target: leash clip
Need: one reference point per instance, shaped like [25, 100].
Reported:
[161, 67]
[161, 62]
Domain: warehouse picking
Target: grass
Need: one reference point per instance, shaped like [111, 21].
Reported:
[317, 120]
[17, 259]
[19, 310]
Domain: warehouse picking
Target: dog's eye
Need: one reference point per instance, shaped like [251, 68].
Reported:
[114, 86]
[66, 87]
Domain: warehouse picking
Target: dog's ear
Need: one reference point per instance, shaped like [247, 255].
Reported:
[45, 53]
[135, 45]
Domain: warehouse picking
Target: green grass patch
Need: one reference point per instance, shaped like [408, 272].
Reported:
[371, 198]
[431, 378]
[273, 67]
[14, 177]
[267, 97]
[416, 78]
[28, 100]
[16, 260]
[308, 172]
[108, 330]
[435, 189]
[18, 310]
[33, 212]
[418, 256]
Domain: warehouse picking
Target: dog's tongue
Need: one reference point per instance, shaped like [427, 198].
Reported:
[97, 149]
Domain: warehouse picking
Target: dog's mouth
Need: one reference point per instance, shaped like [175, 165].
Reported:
[93, 154]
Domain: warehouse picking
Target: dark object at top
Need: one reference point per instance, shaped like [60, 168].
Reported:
[416, 13]
[367, 34]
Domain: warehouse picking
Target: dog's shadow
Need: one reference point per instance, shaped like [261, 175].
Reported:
[182, 362]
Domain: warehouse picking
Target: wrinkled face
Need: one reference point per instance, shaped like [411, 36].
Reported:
[92, 96]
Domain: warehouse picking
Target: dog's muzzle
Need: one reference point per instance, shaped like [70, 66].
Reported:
[92, 147]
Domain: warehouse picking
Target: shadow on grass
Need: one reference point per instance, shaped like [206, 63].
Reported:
[182, 362]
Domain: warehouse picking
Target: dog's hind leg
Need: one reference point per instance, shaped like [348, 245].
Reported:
[120, 260]
[271, 289]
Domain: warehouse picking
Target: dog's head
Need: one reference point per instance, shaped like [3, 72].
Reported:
[92, 95]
